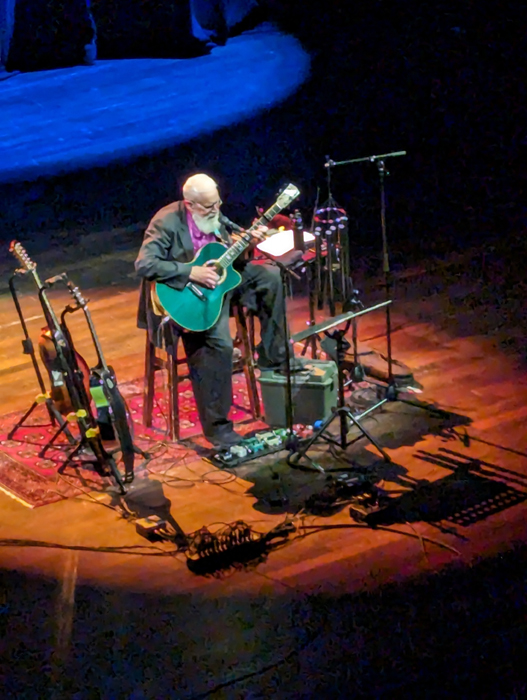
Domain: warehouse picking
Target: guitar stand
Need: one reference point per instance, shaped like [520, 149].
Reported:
[127, 446]
[28, 349]
[53, 414]
[90, 437]
[105, 461]
[342, 411]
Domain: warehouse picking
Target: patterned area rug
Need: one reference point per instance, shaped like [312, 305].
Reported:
[36, 481]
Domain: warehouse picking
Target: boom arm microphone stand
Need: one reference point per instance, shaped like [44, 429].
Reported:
[392, 391]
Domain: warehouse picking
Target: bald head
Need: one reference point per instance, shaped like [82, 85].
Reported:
[202, 201]
[198, 186]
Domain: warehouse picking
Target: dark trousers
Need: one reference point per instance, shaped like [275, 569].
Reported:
[209, 354]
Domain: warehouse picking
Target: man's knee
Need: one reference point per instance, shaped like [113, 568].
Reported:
[271, 278]
[222, 346]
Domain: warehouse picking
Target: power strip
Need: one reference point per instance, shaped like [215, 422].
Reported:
[258, 445]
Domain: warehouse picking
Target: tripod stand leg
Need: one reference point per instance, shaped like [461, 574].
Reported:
[63, 427]
[69, 459]
[102, 460]
[55, 416]
[368, 435]
[294, 459]
[116, 474]
[21, 421]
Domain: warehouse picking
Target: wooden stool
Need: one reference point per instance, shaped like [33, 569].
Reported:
[167, 359]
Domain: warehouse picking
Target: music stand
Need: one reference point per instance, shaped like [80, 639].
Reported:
[341, 411]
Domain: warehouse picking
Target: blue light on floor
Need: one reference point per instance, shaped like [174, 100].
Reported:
[58, 121]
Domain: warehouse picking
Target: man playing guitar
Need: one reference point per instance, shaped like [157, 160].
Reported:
[172, 239]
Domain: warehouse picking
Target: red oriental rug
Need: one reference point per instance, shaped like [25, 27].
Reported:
[36, 481]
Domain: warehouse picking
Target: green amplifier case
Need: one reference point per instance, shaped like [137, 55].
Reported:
[315, 393]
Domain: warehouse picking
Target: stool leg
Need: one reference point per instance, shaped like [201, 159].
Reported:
[149, 383]
[248, 364]
[252, 335]
[173, 393]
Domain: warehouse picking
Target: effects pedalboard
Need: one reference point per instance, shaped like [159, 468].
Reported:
[258, 445]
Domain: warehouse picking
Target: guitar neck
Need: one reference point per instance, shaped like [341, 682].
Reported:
[102, 362]
[236, 249]
[51, 316]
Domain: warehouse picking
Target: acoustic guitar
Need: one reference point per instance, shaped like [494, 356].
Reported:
[51, 336]
[109, 402]
[197, 308]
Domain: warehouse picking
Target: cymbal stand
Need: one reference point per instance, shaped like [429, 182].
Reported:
[332, 225]
[330, 286]
[313, 340]
[346, 284]
[355, 304]
[28, 349]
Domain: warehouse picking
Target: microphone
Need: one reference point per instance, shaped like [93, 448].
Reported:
[230, 224]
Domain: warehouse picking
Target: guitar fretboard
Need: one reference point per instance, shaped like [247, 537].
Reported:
[244, 242]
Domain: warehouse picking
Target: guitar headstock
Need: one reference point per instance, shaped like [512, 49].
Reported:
[20, 253]
[77, 295]
[287, 195]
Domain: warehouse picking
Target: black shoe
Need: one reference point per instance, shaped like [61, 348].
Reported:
[225, 441]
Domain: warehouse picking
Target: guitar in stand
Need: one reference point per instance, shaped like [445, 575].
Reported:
[196, 308]
[112, 413]
[48, 354]
[73, 379]
[45, 397]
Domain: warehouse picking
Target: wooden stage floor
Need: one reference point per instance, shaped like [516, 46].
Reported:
[342, 610]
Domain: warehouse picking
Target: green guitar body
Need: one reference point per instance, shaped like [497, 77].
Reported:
[199, 310]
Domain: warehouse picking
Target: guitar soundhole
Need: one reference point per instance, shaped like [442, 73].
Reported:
[219, 269]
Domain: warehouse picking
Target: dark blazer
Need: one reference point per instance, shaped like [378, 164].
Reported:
[164, 256]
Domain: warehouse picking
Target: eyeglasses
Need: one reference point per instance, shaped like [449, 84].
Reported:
[208, 207]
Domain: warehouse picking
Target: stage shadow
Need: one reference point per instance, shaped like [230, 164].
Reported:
[474, 491]
[279, 488]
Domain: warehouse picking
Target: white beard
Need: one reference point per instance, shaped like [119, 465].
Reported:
[207, 224]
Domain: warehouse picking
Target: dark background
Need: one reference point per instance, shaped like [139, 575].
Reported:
[442, 80]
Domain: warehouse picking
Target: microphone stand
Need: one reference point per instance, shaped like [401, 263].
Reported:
[292, 440]
[391, 391]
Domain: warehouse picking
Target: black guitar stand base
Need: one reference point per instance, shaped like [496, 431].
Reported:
[54, 415]
[105, 463]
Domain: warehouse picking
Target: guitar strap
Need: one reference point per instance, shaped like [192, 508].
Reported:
[156, 306]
